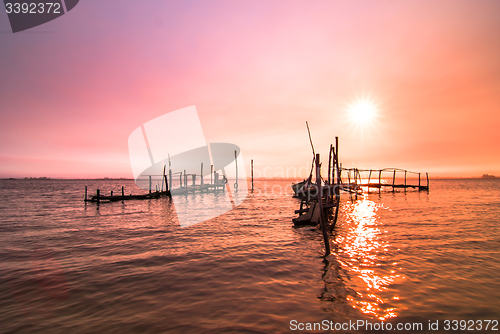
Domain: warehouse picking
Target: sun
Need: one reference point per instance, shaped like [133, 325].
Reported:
[362, 112]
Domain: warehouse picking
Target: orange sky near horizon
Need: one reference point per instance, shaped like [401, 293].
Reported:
[74, 89]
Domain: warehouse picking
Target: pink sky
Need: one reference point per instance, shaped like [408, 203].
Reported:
[73, 90]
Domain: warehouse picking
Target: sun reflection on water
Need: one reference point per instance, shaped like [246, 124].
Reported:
[364, 252]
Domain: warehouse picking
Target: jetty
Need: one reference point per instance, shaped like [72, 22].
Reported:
[187, 183]
[320, 200]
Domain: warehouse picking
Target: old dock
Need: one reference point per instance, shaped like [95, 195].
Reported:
[173, 184]
[320, 200]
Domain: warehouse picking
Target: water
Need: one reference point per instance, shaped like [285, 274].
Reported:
[67, 267]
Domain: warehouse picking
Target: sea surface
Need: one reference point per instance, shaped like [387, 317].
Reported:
[128, 267]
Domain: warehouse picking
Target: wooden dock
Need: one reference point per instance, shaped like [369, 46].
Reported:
[320, 200]
[188, 183]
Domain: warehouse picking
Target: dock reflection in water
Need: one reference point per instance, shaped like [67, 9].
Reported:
[362, 249]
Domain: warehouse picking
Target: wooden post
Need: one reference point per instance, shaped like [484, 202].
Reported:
[405, 179]
[211, 174]
[427, 175]
[216, 181]
[379, 180]
[193, 176]
[252, 172]
[330, 163]
[163, 179]
[339, 169]
[180, 179]
[185, 179]
[150, 184]
[236, 163]
[85, 193]
[337, 186]
[111, 192]
[201, 174]
[169, 185]
[123, 191]
[166, 182]
[393, 180]
[369, 177]
[98, 196]
[418, 181]
[320, 204]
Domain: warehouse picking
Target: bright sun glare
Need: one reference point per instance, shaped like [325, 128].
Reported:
[362, 112]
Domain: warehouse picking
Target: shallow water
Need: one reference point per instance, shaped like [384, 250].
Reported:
[70, 267]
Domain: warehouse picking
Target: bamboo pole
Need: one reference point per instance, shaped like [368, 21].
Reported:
[320, 204]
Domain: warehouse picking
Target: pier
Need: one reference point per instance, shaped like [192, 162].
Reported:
[320, 200]
[187, 183]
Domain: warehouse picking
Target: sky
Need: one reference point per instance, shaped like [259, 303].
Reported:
[73, 90]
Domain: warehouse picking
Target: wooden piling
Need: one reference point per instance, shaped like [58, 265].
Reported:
[393, 180]
[211, 174]
[330, 164]
[111, 194]
[180, 180]
[236, 163]
[169, 185]
[98, 196]
[369, 177]
[201, 174]
[163, 178]
[419, 181]
[185, 179]
[150, 184]
[320, 203]
[166, 181]
[85, 193]
[252, 172]
[123, 191]
[379, 180]
[427, 176]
